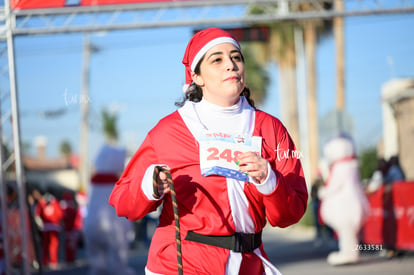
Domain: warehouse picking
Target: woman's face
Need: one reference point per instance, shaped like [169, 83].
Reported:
[221, 75]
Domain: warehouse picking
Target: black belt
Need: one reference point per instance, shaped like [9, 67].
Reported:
[239, 242]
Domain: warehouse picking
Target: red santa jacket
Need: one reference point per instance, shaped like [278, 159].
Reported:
[50, 212]
[203, 202]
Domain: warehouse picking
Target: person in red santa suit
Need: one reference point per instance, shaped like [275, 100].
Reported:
[71, 225]
[231, 166]
[51, 215]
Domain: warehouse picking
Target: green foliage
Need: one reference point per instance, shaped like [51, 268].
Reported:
[284, 31]
[109, 124]
[257, 78]
[256, 9]
[307, 219]
[368, 162]
[65, 148]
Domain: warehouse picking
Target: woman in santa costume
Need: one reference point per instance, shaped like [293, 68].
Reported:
[233, 168]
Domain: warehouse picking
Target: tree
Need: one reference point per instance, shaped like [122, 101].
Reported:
[65, 148]
[66, 151]
[313, 31]
[257, 78]
[109, 126]
[368, 162]
[281, 50]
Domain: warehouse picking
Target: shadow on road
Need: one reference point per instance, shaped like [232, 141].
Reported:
[283, 252]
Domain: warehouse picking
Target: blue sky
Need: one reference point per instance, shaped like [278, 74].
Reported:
[140, 74]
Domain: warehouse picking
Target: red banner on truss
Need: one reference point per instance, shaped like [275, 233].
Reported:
[36, 4]
[42, 4]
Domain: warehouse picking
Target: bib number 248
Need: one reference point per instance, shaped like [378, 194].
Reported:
[226, 154]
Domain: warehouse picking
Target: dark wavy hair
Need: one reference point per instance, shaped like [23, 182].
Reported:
[194, 92]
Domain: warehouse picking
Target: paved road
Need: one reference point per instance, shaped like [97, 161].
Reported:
[293, 251]
[298, 255]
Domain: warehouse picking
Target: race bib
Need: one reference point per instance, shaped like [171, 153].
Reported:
[219, 153]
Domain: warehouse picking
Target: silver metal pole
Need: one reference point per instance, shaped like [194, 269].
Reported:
[16, 139]
[4, 206]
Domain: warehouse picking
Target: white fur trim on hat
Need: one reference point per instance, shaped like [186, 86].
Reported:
[210, 45]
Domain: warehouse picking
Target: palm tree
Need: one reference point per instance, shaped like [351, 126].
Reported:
[257, 78]
[310, 40]
[66, 151]
[338, 25]
[109, 126]
[314, 31]
[281, 49]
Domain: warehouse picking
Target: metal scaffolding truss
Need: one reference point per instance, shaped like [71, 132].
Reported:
[184, 13]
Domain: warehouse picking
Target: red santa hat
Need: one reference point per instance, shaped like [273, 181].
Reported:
[201, 42]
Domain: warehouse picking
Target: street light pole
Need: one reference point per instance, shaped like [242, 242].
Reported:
[84, 104]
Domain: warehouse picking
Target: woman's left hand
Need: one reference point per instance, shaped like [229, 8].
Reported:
[254, 165]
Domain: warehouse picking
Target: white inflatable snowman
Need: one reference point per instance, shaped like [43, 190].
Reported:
[106, 234]
[344, 206]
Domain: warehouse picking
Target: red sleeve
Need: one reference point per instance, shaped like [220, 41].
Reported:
[127, 196]
[39, 206]
[59, 211]
[287, 203]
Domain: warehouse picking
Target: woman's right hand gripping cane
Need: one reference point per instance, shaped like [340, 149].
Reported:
[160, 181]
